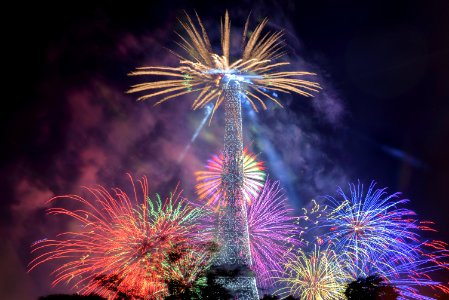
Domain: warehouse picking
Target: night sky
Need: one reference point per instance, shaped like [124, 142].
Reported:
[67, 122]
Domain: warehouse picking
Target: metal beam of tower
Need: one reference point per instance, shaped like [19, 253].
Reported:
[235, 255]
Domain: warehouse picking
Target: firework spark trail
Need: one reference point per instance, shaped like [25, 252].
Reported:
[123, 243]
[208, 111]
[209, 182]
[317, 275]
[271, 229]
[309, 231]
[375, 234]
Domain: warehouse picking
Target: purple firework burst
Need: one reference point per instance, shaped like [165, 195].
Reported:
[271, 230]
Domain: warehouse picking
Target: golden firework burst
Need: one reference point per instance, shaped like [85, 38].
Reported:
[202, 71]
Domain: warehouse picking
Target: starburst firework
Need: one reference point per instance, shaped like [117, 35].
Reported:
[367, 223]
[271, 229]
[123, 245]
[375, 234]
[204, 72]
[317, 275]
[209, 182]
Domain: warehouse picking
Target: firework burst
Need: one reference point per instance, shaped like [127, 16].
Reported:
[123, 244]
[210, 188]
[204, 72]
[309, 232]
[317, 275]
[375, 234]
[271, 229]
[367, 224]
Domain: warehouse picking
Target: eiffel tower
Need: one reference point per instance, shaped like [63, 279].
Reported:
[234, 259]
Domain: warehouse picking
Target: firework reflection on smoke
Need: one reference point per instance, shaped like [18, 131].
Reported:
[207, 113]
[278, 168]
[125, 243]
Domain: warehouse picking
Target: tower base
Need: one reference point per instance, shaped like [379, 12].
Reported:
[239, 281]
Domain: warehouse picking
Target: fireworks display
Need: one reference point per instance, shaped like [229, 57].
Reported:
[214, 77]
[366, 223]
[271, 230]
[123, 245]
[374, 233]
[209, 186]
[317, 275]
[204, 72]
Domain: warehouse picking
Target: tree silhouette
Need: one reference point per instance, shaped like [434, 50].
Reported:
[69, 297]
[443, 297]
[111, 283]
[372, 287]
[274, 297]
[213, 290]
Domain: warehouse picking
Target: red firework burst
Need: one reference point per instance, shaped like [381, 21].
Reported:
[124, 245]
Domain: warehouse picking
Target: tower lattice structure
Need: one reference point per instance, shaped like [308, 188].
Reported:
[232, 232]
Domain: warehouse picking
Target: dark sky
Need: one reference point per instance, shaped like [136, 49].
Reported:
[66, 122]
